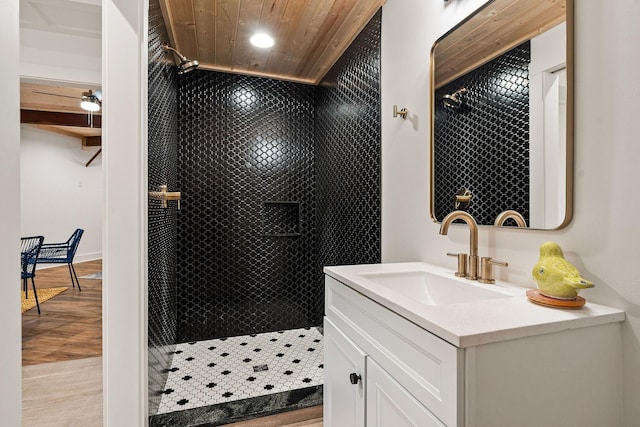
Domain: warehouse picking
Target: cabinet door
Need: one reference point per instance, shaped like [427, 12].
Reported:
[343, 400]
[391, 405]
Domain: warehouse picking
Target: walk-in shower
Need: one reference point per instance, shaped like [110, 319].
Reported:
[236, 293]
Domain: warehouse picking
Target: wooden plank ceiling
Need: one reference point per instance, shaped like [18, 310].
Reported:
[57, 109]
[500, 26]
[310, 35]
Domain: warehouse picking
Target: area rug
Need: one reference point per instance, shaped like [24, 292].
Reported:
[96, 276]
[44, 294]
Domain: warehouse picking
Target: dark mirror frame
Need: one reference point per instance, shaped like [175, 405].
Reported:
[569, 169]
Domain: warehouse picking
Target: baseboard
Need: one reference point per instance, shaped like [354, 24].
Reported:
[91, 256]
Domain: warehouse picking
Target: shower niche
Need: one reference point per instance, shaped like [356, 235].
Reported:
[281, 219]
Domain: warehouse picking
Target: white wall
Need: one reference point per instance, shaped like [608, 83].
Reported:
[10, 356]
[603, 239]
[63, 58]
[58, 193]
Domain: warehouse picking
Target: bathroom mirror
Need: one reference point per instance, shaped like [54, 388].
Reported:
[502, 121]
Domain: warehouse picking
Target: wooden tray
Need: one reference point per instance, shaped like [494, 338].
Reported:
[535, 296]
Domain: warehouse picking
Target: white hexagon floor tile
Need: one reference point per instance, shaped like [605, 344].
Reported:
[209, 372]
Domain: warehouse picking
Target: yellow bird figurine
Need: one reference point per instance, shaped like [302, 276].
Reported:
[557, 277]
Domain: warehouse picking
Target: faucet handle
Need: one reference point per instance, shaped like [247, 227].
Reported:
[462, 263]
[486, 269]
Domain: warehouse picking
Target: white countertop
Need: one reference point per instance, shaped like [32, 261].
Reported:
[478, 322]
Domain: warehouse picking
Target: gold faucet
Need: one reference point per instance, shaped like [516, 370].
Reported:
[510, 214]
[472, 271]
[486, 269]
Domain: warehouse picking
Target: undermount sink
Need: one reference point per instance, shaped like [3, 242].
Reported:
[434, 289]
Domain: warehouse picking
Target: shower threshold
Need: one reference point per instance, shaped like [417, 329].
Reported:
[223, 380]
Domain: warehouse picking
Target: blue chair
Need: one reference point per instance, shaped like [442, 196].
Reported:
[63, 253]
[29, 250]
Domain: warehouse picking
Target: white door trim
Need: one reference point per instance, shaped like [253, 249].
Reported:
[10, 317]
[124, 84]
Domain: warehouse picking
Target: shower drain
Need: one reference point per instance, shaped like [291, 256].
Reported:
[260, 368]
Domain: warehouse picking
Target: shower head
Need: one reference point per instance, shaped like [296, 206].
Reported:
[451, 101]
[454, 100]
[185, 64]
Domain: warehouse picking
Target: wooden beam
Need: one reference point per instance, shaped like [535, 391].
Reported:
[59, 119]
[91, 141]
[93, 158]
[55, 129]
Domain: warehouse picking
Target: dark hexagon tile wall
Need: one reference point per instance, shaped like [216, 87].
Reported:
[348, 147]
[233, 158]
[244, 141]
[162, 163]
[486, 135]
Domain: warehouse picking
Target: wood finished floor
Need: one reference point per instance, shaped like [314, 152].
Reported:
[61, 367]
[70, 325]
[308, 417]
[65, 340]
[62, 394]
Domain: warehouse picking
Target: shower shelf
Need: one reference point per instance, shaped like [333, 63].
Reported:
[281, 219]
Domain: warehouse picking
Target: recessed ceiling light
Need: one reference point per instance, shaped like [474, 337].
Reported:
[262, 40]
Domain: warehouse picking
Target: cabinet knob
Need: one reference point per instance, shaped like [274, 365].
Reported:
[354, 378]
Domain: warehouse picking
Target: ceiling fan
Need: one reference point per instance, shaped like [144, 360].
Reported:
[90, 101]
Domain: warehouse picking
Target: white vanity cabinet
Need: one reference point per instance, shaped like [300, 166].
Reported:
[343, 380]
[388, 402]
[406, 372]
[411, 377]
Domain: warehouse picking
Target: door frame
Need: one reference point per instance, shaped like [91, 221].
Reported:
[124, 84]
[10, 316]
[124, 71]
